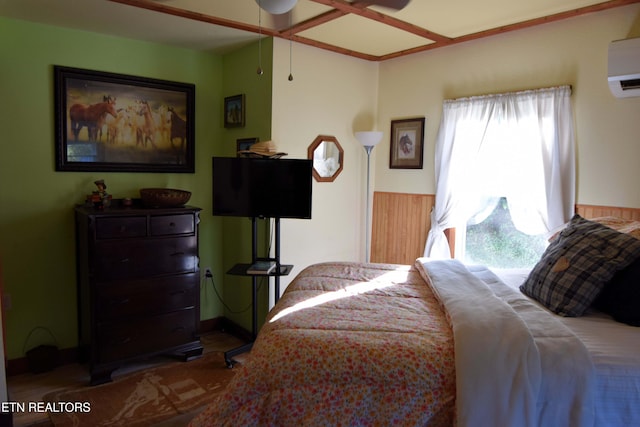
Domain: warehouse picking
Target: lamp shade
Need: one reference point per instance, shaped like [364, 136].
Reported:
[370, 138]
[277, 7]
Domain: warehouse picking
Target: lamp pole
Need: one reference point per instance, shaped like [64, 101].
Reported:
[368, 149]
[368, 141]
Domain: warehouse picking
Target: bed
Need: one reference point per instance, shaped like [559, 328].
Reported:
[440, 343]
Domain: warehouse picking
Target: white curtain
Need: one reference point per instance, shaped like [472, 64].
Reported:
[517, 145]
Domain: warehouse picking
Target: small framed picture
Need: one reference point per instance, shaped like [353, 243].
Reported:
[244, 144]
[407, 143]
[234, 111]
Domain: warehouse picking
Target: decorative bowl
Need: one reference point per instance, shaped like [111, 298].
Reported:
[164, 197]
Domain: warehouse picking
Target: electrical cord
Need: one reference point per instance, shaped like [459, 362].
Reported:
[272, 225]
[209, 276]
[213, 285]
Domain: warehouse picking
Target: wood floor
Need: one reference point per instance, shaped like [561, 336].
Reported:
[32, 387]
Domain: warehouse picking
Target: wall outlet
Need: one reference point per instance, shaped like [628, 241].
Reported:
[207, 272]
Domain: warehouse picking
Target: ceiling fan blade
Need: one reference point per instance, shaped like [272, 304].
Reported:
[391, 4]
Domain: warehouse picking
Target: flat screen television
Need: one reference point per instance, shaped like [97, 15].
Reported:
[262, 188]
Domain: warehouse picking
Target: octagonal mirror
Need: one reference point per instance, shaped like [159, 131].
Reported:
[327, 156]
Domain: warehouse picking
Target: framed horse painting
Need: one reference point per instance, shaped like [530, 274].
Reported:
[109, 122]
[407, 143]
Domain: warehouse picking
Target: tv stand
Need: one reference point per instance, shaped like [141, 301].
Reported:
[241, 270]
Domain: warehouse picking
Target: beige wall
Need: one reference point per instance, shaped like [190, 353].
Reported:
[335, 95]
[571, 52]
[329, 95]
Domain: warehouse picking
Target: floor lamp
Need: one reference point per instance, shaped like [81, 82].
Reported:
[368, 141]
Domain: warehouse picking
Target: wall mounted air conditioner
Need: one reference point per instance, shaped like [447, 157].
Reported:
[624, 68]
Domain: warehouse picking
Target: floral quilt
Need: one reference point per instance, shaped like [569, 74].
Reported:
[347, 344]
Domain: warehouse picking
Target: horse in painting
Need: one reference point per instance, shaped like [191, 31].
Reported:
[146, 132]
[178, 128]
[178, 131]
[92, 116]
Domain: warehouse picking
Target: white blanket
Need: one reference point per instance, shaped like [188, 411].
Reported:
[516, 364]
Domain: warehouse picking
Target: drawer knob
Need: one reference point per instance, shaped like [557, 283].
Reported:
[172, 224]
[120, 301]
[180, 292]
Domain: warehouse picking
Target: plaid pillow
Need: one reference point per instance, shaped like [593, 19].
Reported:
[576, 266]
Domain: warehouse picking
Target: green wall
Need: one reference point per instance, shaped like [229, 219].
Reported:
[240, 76]
[36, 203]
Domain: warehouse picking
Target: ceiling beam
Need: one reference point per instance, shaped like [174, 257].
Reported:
[513, 27]
[314, 22]
[188, 14]
[333, 48]
[360, 8]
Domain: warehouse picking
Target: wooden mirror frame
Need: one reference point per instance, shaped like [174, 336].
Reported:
[312, 148]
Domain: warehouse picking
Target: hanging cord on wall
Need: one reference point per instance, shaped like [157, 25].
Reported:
[271, 230]
[43, 357]
[259, 70]
[224, 304]
[53, 342]
[213, 283]
[290, 50]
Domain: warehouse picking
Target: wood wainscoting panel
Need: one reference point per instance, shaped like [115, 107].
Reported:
[400, 224]
[595, 211]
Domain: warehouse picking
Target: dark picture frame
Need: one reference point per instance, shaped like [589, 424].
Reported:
[234, 111]
[107, 122]
[407, 143]
[244, 144]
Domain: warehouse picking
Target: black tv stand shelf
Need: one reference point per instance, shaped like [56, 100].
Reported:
[241, 270]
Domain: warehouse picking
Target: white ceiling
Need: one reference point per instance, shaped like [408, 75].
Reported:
[346, 27]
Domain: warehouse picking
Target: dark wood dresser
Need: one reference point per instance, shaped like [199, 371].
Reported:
[138, 285]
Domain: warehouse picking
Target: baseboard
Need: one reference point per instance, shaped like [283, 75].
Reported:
[209, 325]
[234, 329]
[71, 355]
[21, 365]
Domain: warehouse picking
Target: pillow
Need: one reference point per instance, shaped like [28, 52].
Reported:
[622, 225]
[620, 298]
[577, 264]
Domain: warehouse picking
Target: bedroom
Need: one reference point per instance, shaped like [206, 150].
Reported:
[36, 223]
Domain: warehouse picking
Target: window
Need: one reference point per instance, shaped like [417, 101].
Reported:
[505, 174]
[494, 241]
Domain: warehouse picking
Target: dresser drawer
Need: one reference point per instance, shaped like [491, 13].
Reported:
[163, 225]
[121, 227]
[148, 297]
[122, 340]
[138, 284]
[144, 257]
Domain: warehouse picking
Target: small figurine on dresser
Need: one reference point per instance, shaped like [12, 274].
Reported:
[100, 198]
